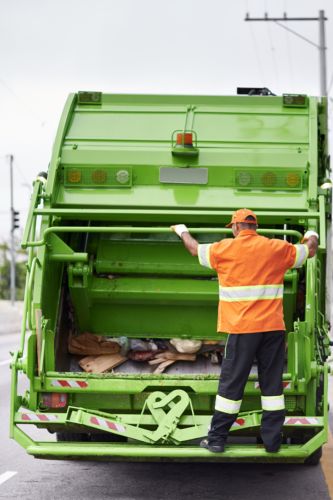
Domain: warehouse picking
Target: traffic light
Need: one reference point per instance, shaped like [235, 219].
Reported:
[15, 219]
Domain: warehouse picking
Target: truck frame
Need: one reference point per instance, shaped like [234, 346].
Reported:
[102, 258]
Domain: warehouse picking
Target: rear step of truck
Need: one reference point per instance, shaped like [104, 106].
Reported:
[162, 423]
[168, 432]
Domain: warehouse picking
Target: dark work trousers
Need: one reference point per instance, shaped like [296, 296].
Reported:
[241, 349]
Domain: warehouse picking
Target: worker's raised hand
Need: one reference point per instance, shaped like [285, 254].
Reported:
[308, 235]
[179, 229]
[310, 239]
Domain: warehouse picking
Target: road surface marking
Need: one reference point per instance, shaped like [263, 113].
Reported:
[7, 475]
[327, 463]
[2, 363]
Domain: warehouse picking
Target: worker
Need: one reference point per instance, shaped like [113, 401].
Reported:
[250, 271]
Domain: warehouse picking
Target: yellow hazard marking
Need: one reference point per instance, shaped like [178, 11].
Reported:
[327, 463]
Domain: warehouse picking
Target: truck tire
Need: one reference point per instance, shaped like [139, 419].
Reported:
[315, 457]
[108, 437]
[73, 436]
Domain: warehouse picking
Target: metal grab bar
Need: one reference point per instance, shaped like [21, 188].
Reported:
[88, 212]
[31, 216]
[25, 302]
[322, 223]
[130, 229]
[34, 263]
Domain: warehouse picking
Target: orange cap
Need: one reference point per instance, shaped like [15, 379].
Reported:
[240, 216]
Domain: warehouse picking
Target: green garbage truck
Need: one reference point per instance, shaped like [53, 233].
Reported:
[119, 357]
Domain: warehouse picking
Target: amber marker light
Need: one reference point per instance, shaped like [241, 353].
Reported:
[293, 180]
[269, 179]
[99, 176]
[74, 176]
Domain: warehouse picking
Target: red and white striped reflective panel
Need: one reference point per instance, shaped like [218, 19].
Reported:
[107, 424]
[239, 422]
[286, 385]
[38, 417]
[80, 384]
[301, 421]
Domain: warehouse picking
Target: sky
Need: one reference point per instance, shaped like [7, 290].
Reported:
[49, 48]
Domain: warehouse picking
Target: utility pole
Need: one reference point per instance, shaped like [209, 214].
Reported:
[322, 41]
[14, 225]
[322, 53]
[12, 242]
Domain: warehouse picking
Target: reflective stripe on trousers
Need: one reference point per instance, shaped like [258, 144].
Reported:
[255, 292]
[272, 403]
[227, 405]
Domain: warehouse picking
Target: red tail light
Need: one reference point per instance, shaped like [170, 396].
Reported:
[185, 139]
[53, 400]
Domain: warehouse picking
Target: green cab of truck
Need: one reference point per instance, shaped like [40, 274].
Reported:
[119, 355]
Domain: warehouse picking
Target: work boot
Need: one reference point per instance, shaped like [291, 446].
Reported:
[214, 448]
[274, 448]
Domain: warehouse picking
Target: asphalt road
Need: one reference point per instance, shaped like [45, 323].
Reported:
[22, 476]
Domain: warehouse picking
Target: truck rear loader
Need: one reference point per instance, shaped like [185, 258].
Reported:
[104, 265]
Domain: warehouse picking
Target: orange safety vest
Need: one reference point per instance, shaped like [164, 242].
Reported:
[251, 271]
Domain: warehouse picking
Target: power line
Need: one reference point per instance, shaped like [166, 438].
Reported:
[289, 49]
[255, 48]
[272, 49]
[17, 167]
[296, 34]
[22, 102]
[256, 51]
[322, 42]
[273, 53]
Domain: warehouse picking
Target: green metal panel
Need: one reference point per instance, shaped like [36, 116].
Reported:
[134, 132]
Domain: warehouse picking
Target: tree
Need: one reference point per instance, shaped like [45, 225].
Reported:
[5, 274]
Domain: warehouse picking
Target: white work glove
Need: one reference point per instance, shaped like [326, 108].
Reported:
[308, 235]
[179, 229]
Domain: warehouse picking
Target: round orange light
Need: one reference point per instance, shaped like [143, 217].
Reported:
[293, 180]
[99, 176]
[74, 176]
[269, 179]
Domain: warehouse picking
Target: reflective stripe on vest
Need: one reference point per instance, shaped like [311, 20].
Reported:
[302, 253]
[256, 292]
[272, 403]
[203, 255]
[227, 405]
